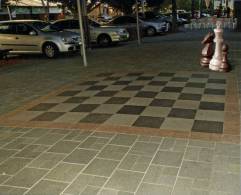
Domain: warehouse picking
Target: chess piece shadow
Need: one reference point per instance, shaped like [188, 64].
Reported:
[207, 51]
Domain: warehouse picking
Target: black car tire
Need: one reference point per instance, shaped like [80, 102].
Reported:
[150, 31]
[50, 50]
[104, 41]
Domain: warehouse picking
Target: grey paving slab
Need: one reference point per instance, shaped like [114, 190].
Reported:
[168, 158]
[161, 175]
[47, 187]
[64, 172]
[84, 181]
[80, 156]
[124, 180]
[101, 167]
[47, 160]
[12, 165]
[113, 152]
[7, 190]
[26, 177]
[194, 169]
[152, 189]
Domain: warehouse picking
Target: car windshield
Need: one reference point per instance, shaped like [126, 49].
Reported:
[44, 26]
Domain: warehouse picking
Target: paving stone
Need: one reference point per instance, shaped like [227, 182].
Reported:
[84, 181]
[64, 172]
[64, 147]
[80, 156]
[113, 152]
[7, 190]
[194, 169]
[168, 158]
[124, 180]
[47, 187]
[101, 167]
[47, 160]
[143, 148]
[135, 163]
[12, 165]
[161, 175]
[124, 139]
[26, 177]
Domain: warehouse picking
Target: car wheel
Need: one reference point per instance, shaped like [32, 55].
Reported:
[150, 31]
[50, 50]
[104, 40]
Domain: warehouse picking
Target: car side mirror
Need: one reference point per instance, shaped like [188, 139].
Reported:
[32, 33]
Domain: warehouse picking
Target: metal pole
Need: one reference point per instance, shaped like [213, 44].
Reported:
[82, 34]
[138, 25]
[9, 13]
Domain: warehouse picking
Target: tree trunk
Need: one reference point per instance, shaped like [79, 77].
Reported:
[46, 10]
[193, 8]
[174, 16]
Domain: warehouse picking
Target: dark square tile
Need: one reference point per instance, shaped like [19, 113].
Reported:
[106, 93]
[117, 100]
[69, 93]
[48, 116]
[211, 106]
[43, 107]
[121, 83]
[146, 94]
[214, 91]
[207, 126]
[89, 83]
[104, 74]
[200, 75]
[158, 83]
[85, 108]
[180, 79]
[146, 121]
[97, 87]
[133, 88]
[135, 74]
[131, 110]
[162, 103]
[190, 96]
[95, 118]
[76, 100]
[172, 89]
[145, 78]
[219, 81]
[166, 74]
[182, 113]
[195, 85]
[112, 78]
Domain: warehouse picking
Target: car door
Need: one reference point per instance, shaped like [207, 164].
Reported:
[7, 36]
[26, 38]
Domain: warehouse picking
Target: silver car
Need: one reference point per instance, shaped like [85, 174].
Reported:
[36, 36]
[102, 35]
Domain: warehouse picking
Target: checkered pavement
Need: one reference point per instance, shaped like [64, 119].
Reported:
[185, 101]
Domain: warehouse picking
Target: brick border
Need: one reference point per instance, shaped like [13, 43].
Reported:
[231, 129]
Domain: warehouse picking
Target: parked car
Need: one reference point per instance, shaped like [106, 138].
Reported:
[35, 36]
[103, 36]
[151, 17]
[150, 27]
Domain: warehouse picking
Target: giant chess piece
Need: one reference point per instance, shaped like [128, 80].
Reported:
[224, 66]
[216, 61]
[207, 51]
